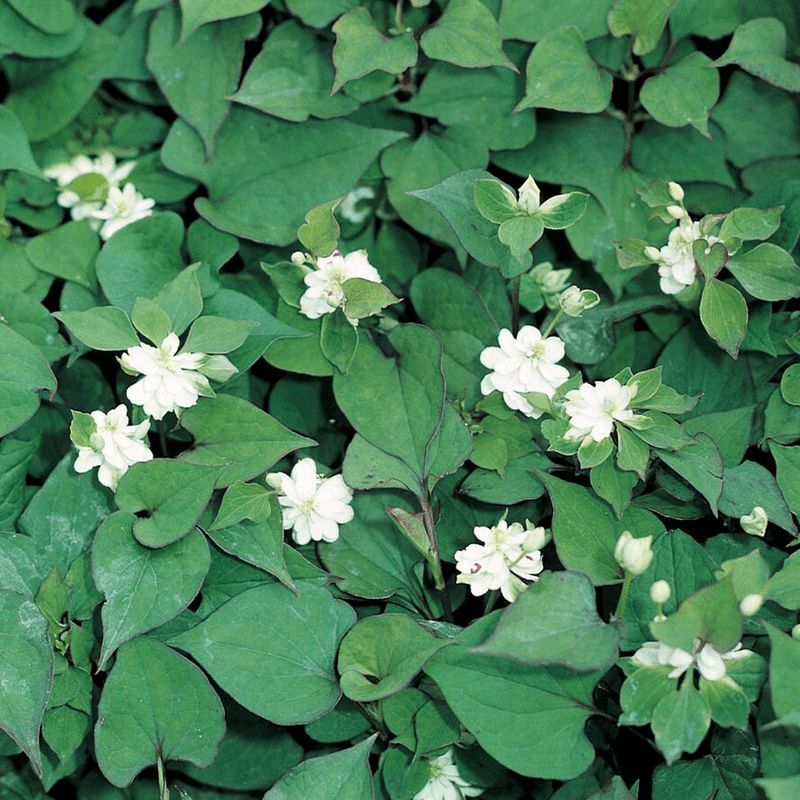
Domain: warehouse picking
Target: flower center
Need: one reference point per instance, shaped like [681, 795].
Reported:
[305, 507]
[536, 352]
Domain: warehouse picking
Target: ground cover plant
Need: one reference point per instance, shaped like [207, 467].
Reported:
[399, 400]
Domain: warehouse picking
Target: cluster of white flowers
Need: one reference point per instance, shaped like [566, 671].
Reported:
[90, 189]
[114, 446]
[445, 782]
[676, 264]
[709, 661]
[171, 380]
[325, 281]
[509, 556]
[593, 410]
[525, 363]
[313, 506]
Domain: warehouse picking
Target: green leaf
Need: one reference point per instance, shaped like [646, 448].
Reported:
[680, 722]
[712, 613]
[258, 542]
[195, 13]
[544, 623]
[701, 465]
[784, 671]
[614, 484]
[454, 199]
[100, 327]
[503, 703]
[784, 788]
[274, 651]
[248, 177]
[767, 272]
[723, 312]
[494, 200]
[181, 298]
[362, 48]
[230, 432]
[23, 37]
[291, 78]
[683, 94]
[16, 454]
[14, 146]
[641, 693]
[68, 252]
[67, 83]
[644, 19]
[242, 501]
[466, 35]
[409, 417]
[151, 320]
[143, 587]
[173, 494]
[24, 375]
[211, 334]
[140, 721]
[759, 121]
[380, 655]
[319, 234]
[787, 463]
[64, 513]
[197, 73]
[342, 775]
[561, 74]
[750, 223]
[562, 210]
[363, 298]
[151, 251]
[584, 530]
[26, 662]
[520, 234]
[338, 340]
[517, 22]
[726, 701]
[759, 46]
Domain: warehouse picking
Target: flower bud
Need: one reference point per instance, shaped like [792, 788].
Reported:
[529, 195]
[750, 604]
[796, 631]
[660, 592]
[298, 258]
[755, 523]
[575, 301]
[633, 555]
[676, 211]
[675, 191]
[653, 253]
[538, 537]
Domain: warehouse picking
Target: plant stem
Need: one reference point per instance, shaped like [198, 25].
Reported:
[549, 329]
[435, 562]
[623, 598]
[162, 779]
[515, 305]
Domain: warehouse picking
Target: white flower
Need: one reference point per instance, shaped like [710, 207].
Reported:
[709, 661]
[325, 291]
[660, 592]
[445, 782]
[526, 363]
[755, 523]
[632, 554]
[106, 172]
[123, 206]
[592, 410]
[171, 382]
[313, 506]
[114, 446]
[509, 556]
[676, 264]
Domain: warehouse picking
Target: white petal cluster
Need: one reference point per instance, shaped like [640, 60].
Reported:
[171, 380]
[755, 523]
[119, 206]
[509, 556]
[632, 554]
[525, 363]
[325, 291]
[676, 265]
[114, 446]
[445, 782]
[709, 661]
[313, 507]
[592, 410]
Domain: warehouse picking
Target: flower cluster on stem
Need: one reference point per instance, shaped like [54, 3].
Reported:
[92, 189]
[509, 556]
[523, 363]
[313, 506]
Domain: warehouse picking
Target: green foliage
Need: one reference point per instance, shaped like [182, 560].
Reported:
[346, 349]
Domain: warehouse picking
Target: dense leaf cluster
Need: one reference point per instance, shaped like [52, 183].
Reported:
[164, 636]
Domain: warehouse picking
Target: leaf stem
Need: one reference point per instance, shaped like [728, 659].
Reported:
[623, 598]
[549, 329]
[515, 305]
[163, 789]
[435, 562]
